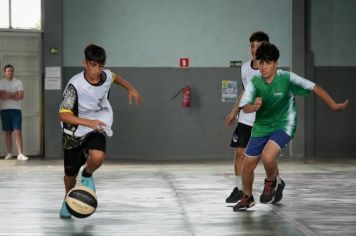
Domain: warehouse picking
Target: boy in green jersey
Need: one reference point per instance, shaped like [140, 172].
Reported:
[272, 96]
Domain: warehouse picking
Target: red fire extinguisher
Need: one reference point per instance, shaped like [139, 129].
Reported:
[186, 98]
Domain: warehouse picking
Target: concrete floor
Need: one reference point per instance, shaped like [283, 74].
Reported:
[178, 199]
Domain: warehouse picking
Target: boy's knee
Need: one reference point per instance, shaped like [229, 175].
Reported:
[96, 157]
[251, 162]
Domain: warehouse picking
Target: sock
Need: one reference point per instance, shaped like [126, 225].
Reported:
[238, 182]
[278, 179]
[85, 173]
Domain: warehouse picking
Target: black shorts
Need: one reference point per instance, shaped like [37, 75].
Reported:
[241, 136]
[76, 157]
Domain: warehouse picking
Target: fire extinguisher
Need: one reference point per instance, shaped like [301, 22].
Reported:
[186, 98]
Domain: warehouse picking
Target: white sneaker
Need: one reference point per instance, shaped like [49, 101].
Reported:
[8, 156]
[22, 157]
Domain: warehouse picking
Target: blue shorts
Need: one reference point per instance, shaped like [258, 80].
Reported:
[257, 144]
[11, 119]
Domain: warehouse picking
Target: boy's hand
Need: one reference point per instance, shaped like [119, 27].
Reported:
[97, 125]
[132, 93]
[258, 103]
[340, 106]
[230, 119]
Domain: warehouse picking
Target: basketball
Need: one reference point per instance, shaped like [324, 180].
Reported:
[81, 202]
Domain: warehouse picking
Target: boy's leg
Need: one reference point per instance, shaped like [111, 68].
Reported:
[69, 183]
[96, 146]
[273, 186]
[269, 159]
[94, 161]
[236, 193]
[252, 156]
[239, 160]
[248, 174]
[239, 141]
[73, 160]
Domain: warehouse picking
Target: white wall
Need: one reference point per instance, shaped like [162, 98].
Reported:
[156, 33]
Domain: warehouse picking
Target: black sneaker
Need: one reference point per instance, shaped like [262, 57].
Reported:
[235, 196]
[279, 192]
[269, 191]
[244, 203]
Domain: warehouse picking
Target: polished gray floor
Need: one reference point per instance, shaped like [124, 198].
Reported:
[178, 199]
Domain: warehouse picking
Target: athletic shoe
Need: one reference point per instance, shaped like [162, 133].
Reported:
[22, 157]
[244, 203]
[88, 182]
[269, 191]
[235, 196]
[279, 191]
[8, 156]
[63, 212]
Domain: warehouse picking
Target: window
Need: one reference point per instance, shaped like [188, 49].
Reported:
[20, 14]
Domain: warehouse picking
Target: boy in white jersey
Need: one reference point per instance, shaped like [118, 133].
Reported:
[272, 96]
[86, 117]
[242, 133]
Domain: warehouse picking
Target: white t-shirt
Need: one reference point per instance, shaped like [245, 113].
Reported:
[247, 73]
[11, 86]
[88, 101]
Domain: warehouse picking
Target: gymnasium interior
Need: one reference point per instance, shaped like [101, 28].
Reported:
[169, 168]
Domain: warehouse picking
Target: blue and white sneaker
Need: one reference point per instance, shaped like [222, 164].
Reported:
[88, 182]
[63, 212]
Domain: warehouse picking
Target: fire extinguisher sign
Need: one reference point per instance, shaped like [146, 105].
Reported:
[229, 91]
[184, 62]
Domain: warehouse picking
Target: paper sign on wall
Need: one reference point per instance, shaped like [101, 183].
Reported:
[229, 91]
[53, 78]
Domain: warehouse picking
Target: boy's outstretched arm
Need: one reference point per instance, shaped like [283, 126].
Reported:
[132, 92]
[328, 100]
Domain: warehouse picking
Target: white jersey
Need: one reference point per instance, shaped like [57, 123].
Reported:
[88, 101]
[11, 86]
[247, 73]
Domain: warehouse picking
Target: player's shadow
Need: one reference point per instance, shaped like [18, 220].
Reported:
[71, 229]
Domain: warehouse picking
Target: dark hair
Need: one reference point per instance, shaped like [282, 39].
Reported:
[259, 36]
[9, 66]
[95, 53]
[267, 52]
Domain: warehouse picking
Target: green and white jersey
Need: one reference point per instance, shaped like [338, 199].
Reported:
[278, 110]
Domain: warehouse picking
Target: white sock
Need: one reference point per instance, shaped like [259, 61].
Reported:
[238, 182]
[278, 179]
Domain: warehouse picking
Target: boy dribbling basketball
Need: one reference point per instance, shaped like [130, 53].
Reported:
[86, 117]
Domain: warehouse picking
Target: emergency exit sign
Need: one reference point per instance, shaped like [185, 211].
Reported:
[235, 63]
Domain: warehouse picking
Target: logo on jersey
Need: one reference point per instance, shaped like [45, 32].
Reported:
[278, 94]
